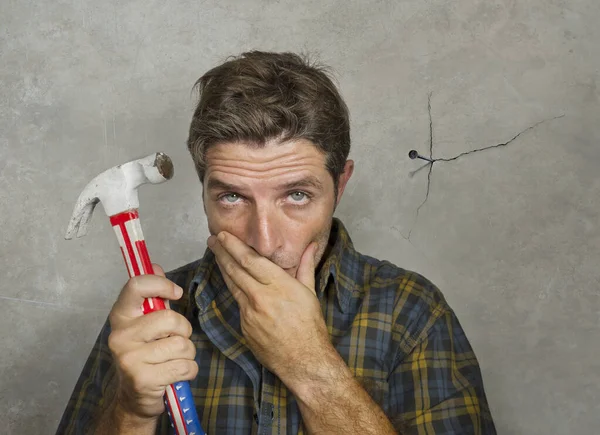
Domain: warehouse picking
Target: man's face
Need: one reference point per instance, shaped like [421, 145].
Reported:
[277, 199]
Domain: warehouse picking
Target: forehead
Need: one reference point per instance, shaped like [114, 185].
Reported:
[274, 160]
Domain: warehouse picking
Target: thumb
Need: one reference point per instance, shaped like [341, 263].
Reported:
[306, 270]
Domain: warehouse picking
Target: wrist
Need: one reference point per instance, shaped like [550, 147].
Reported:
[126, 422]
[323, 378]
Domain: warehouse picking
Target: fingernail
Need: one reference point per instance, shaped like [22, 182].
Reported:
[178, 291]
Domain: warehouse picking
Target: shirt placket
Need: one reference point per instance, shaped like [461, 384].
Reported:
[265, 414]
[228, 343]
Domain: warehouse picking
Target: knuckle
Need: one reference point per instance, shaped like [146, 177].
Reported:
[134, 284]
[189, 369]
[143, 285]
[246, 311]
[158, 349]
[161, 282]
[186, 368]
[250, 316]
[176, 323]
[187, 328]
[171, 319]
[127, 362]
[257, 301]
[191, 349]
[179, 369]
[115, 339]
[247, 262]
[180, 344]
[193, 369]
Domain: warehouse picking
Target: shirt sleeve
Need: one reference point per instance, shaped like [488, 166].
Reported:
[92, 388]
[437, 387]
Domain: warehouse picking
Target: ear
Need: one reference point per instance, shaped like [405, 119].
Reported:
[344, 177]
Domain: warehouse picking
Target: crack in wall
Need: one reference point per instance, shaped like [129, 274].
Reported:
[430, 164]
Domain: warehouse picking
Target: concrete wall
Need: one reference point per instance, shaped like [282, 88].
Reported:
[509, 234]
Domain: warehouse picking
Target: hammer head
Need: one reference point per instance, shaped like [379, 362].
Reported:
[117, 188]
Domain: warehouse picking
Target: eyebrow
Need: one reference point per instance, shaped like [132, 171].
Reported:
[311, 181]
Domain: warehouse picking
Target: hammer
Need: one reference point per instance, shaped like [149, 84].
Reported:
[117, 188]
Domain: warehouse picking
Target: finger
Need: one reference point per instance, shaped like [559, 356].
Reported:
[166, 349]
[175, 371]
[130, 300]
[257, 266]
[230, 267]
[152, 377]
[306, 270]
[237, 293]
[158, 270]
[157, 325]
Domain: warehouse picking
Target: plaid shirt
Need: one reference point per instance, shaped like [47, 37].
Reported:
[392, 327]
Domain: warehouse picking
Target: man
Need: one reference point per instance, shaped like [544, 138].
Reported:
[282, 327]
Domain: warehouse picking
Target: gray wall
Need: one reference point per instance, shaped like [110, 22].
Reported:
[509, 234]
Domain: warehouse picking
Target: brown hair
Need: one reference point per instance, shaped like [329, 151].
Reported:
[260, 96]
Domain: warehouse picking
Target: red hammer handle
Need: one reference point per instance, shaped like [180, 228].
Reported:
[133, 247]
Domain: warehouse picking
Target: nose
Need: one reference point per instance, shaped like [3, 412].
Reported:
[265, 234]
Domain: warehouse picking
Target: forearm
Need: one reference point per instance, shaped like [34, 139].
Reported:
[331, 401]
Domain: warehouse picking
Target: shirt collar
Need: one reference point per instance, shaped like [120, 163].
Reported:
[340, 262]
